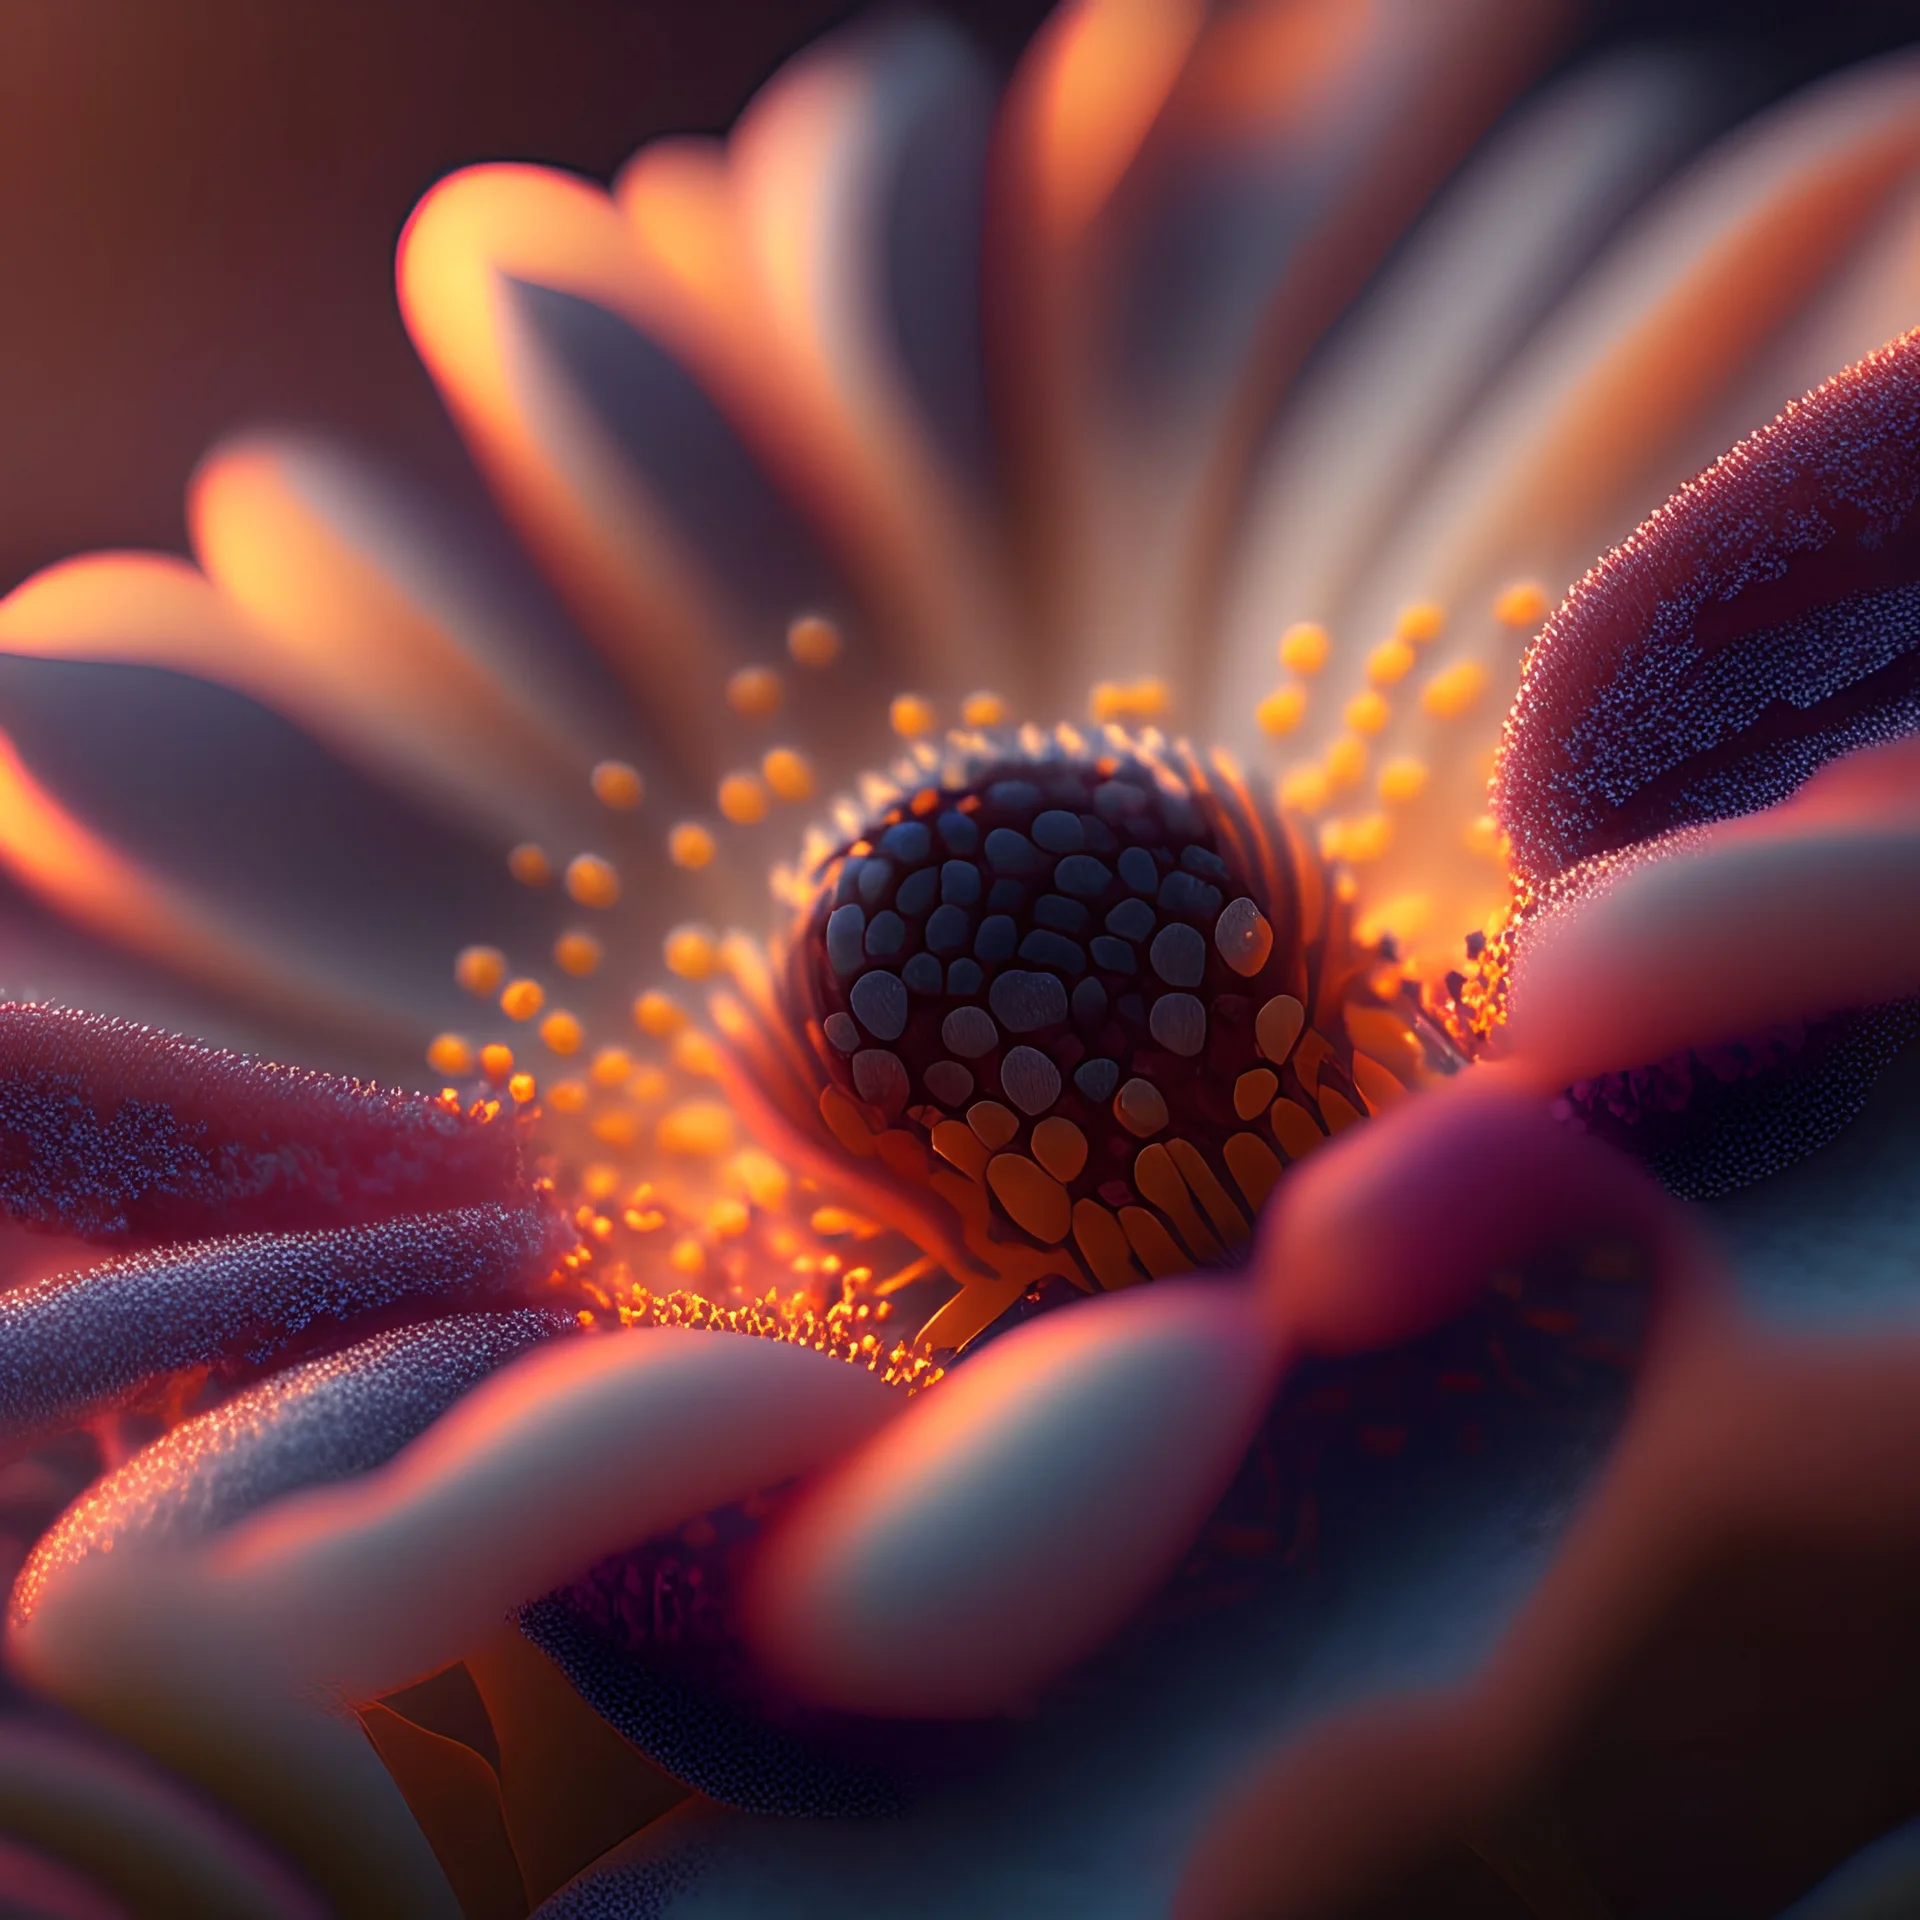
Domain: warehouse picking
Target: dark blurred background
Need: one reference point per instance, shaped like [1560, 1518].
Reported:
[199, 198]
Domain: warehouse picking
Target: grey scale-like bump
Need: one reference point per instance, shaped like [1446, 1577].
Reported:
[957, 833]
[73, 1346]
[1097, 1078]
[970, 1032]
[1113, 954]
[1006, 896]
[1179, 955]
[1045, 948]
[1029, 1079]
[879, 1076]
[1017, 796]
[949, 928]
[1025, 1002]
[916, 892]
[1133, 919]
[840, 1029]
[922, 974]
[880, 1004]
[949, 1082]
[1188, 895]
[1083, 874]
[960, 883]
[908, 841]
[1011, 852]
[886, 934]
[875, 876]
[998, 936]
[964, 977]
[1138, 870]
[1058, 831]
[846, 938]
[1058, 914]
[1238, 932]
[313, 1425]
[1089, 1003]
[1179, 1022]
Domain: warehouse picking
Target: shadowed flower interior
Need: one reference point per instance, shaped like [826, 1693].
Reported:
[1195, 925]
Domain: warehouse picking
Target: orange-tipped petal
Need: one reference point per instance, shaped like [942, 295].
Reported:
[1011, 1519]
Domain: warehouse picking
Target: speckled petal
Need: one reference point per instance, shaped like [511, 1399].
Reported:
[78, 1345]
[117, 1133]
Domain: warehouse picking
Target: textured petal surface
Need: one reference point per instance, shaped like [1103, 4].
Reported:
[1009, 1521]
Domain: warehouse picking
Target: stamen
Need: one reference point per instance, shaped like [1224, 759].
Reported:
[1523, 605]
[1368, 713]
[1346, 761]
[814, 641]
[451, 1055]
[480, 970]
[1449, 694]
[983, 710]
[1139, 702]
[691, 953]
[529, 865]
[743, 799]
[654, 1012]
[561, 1032]
[1304, 647]
[1403, 779]
[1391, 661]
[1282, 710]
[496, 1061]
[522, 999]
[788, 774]
[1420, 621]
[577, 953]
[592, 881]
[910, 716]
[755, 692]
[691, 846]
[617, 785]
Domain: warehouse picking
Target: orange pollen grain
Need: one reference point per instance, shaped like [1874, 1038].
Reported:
[450, 1054]
[690, 845]
[617, 785]
[562, 1032]
[591, 881]
[529, 865]
[788, 774]
[814, 641]
[755, 692]
[743, 799]
[577, 953]
[522, 999]
[480, 969]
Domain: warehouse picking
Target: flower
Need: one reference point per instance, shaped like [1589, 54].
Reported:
[737, 409]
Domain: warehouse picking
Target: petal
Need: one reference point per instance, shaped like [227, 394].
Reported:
[529, 1477]
[1180, 213]
[126, 1136]
[1708, 1700]
[1010, 1520]
[77, 1345]
[133, 1832]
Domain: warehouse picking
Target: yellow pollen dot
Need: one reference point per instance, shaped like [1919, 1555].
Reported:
[755, 692]
[496, 1061]
[450, 1054]
[1451, 693]
[522, 999]
[1403, 779]
[567, 1096]
[562, 1032]
[982, 710]
[910, 716]
[788, 774]
[577, 953]
[1131, 700]
[612, 1066]
[1484, 837]
[1346, 761]
[658, 1013]
[814, 640]
[617, 785]
[688, 1257]
[1367, 712]
[695, 1053]
[591, 881]
[700, 1127]
[743, 799]
[522, 1088]
[1282, 710]
[598, 1180]
[690, 845]
[1304, 790]
[617, 1129]
[1391, 660]
[1420, 621]
[1304, 647]
[529, 865]
[480, 969]
[691, 953]
[1405, 916]
[1521, 605]
[727, 1219]
[1368, 838]
[649, 1086]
